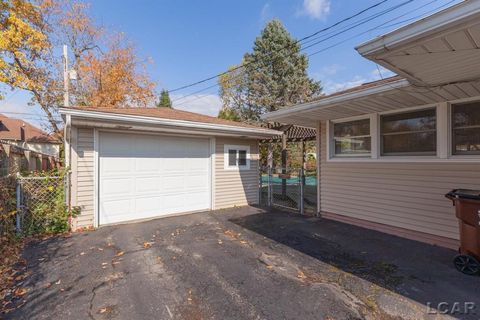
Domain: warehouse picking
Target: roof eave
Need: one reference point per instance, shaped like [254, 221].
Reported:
[461, 13]
[96, 115]
[329, 101]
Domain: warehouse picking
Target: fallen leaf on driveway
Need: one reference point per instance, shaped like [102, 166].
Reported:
[58, 282]
[120, 253]
[220, 242]
[82, 253]
[301, 275]
[101, 249]
[269, 267]
[147, 245]
[20, 291]
[104, 263]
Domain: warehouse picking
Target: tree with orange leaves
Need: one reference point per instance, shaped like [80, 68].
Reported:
[109, 72]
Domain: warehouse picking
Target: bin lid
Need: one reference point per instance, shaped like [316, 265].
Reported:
[465, 194]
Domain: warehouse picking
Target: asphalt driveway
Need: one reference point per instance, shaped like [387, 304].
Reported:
[241, 264]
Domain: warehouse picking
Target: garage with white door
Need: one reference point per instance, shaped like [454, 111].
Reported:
[131, 163]
[149, 175]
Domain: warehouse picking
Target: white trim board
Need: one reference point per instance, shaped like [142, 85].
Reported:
[179, 124]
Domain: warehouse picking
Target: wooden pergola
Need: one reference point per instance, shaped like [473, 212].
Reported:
[291, 133]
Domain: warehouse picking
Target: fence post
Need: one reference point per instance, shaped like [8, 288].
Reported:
[260, 187]
[269, 187]
[302, 190]
[18, 218]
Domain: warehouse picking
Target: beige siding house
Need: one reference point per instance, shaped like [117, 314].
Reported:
[136, 164]
[391, 149]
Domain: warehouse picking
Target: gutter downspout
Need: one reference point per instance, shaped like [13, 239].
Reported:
[68, 157]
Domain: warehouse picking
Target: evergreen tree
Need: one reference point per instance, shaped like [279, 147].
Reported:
[276, 72]
[164, 100]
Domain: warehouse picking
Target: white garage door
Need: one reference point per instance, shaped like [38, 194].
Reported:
[145, 176]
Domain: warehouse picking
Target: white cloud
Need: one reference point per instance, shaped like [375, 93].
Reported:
[265, 14]
[208, 104]
[331, 86]
[315, 9]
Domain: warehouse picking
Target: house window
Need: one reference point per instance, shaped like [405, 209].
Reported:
[237, 157]
[409, 133]
[352, 138]
[466, 128]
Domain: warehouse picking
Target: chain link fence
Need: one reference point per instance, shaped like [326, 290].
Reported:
[41, 205]
[289, 188]
[7, 208]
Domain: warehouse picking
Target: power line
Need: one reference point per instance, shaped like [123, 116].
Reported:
[296, 42]
[372, 29]
[363, 21]
[352, 26]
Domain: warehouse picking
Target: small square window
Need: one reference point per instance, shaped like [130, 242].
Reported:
[237, 157]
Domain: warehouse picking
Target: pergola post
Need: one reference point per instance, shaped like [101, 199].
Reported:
[284, 165]
[304, 163]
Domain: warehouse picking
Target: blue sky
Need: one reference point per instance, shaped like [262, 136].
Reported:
[191, 40]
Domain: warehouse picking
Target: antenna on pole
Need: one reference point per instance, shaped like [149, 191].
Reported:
[66, 78]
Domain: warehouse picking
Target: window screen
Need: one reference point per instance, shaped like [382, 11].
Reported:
[410, 133]
[242, 157]
[352, 138]
[232, 158]
[466, 128]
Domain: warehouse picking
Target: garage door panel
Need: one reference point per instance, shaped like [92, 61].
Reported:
[144, 176]
[116, 165]
[147, 165]
[147, 185]
[173, 203]
[114, 187]
[115, 210]
[196, 181]
[148, 206]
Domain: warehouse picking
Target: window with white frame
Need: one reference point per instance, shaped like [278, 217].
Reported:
[412, 133]
[466, 128]
[352, 138]
[237, 157]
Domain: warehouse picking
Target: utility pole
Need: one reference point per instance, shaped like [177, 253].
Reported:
[66, 78]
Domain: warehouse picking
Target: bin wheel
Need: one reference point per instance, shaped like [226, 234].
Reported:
[467, 264]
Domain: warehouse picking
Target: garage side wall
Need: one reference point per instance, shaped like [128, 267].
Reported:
[235, 187]
[83, 176]
[403, 198]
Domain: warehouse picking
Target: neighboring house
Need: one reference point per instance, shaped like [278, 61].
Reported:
[24, 147]
[139, 163]
[391, 149]
[27, 136]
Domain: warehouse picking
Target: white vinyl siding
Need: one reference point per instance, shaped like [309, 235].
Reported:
[401, 194]
[235, 187]
[83, 165]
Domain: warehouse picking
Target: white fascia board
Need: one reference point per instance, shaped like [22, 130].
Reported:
[97, 115]
[330, 101]
[445, 19]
